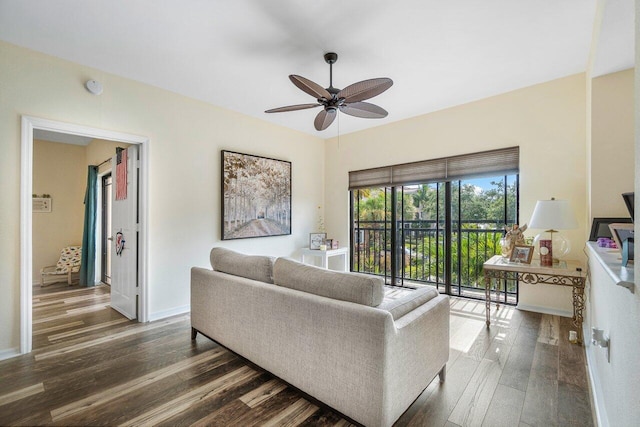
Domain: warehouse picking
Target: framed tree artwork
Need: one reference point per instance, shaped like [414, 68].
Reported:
[256, 196]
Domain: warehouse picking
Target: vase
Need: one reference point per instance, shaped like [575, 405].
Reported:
[505, 247]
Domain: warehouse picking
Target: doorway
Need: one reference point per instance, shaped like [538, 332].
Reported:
[29, 125]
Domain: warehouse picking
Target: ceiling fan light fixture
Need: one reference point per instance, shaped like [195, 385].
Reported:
[348, 100]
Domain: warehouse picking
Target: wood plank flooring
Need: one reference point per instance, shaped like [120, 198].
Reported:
[91, 366]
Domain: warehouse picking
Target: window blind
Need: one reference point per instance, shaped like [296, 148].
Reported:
[504, 161]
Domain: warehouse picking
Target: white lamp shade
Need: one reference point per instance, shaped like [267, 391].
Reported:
[553, 215]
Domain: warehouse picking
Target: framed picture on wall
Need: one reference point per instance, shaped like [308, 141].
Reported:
[256, 196]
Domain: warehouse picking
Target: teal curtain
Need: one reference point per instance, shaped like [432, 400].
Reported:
[88, 265]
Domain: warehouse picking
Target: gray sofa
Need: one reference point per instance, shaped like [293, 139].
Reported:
[332, 335]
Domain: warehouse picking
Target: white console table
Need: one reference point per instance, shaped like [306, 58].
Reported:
[325, 255]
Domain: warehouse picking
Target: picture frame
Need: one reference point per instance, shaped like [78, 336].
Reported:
[316, 239]
[600, 227]
[522, 254]
[621, 232]
[256, 196]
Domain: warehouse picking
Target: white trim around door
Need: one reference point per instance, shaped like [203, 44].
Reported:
[26, 185]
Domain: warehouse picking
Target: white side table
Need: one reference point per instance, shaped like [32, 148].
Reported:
[325, 255]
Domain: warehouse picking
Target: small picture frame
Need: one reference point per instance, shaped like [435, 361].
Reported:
[621, 232]
[316, 239]
[521, 254]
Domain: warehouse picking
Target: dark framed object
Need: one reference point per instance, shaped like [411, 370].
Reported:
[600, 227]
[256, 196]
[317, 239]
[629, 200]
[621, 232]
[521, 254]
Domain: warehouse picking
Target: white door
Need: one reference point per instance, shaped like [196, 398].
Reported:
[124, 235]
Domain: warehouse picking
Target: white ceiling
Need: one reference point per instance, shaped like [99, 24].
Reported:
[238, 54]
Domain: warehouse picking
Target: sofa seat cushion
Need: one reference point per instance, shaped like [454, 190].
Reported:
[352, 287]
[404, 304]
[256, 267]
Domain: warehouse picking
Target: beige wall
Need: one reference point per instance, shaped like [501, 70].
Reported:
[186, 137]
[546, 121]
[59, 170]
[612, 159]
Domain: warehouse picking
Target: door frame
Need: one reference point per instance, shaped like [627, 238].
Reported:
[29, 123]
[100, 225]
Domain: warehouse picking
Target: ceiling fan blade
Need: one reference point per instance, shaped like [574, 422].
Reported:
[324, 119]
[306, 85]
[292, 108]
[365, 89]
[364, 110]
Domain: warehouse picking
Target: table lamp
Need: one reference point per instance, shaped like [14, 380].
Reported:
[552, 215]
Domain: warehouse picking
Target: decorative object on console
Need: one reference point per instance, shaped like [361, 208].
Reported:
[605, 242]
[546, 254]
[552, 215]
[332, 243]
[316, 240]
[256, 196]
[514, 236]
[522, 254]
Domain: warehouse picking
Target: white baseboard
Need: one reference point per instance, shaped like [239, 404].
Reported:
[9, 353]
[545, 310]
[594, 382]
[168, 313]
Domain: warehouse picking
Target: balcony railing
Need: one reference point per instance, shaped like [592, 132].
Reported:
[421, 257]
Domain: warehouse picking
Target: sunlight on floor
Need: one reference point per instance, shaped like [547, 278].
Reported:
[468, 321]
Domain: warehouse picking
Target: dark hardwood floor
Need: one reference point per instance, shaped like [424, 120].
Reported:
[91, 366]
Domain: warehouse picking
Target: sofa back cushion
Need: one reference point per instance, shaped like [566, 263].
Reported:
[398, 307]
[352, 287]
[256, 267]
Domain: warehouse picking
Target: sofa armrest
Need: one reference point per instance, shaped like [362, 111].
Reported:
[422, 338]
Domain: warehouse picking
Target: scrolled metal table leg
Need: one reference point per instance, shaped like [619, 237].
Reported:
[578, 306]
[487, 297]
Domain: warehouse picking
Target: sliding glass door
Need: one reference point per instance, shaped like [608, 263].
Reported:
[433, 234]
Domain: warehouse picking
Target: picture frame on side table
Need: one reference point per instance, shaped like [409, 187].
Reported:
[522, 254]
[316, 239]
[621, 232]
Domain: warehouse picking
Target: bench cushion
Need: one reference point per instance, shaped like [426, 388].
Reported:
[256, 267]
[352, 287]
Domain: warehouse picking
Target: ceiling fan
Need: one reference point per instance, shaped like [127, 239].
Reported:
[348, 100]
